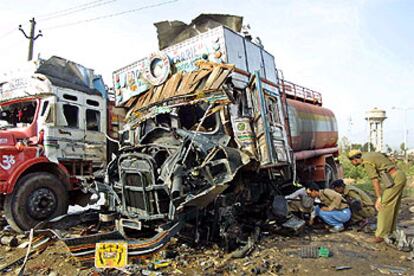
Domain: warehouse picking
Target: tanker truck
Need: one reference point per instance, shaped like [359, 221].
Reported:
[213, 137]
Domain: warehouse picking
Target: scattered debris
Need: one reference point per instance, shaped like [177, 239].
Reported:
[388, 269]
[294, 223]
[398, 239]
[158, 264]
[314, 252]
[9, 241]
[39, 244]
[249, 247]
[147, 272]
[342, 267]
[26, 257]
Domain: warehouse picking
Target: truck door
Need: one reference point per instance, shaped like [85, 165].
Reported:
[70, 128]
[270, 132]
[95, 129]
[277, 129]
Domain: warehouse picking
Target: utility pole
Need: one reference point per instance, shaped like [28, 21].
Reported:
[405, 109]
[32, 37]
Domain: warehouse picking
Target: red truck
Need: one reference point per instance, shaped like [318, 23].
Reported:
[53, 125]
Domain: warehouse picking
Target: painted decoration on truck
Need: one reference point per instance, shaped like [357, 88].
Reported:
[208, 46]
[157, 69]
[138, 77]
[7, 161]
[24, 86]
[128, 81]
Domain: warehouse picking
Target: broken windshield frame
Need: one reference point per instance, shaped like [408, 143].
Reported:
[18, 114]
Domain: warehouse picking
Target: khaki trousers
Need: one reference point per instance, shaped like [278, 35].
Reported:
[391, 201]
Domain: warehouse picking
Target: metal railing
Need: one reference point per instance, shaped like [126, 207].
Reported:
[296, 91]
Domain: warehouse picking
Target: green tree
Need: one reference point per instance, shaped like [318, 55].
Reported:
[403, 148]
[368, 147]
[388, 148]
[350, 171]
[356, 146]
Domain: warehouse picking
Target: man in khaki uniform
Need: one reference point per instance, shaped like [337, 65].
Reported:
[299, 202]
[382, 171]
[335, 211]
[361, 204]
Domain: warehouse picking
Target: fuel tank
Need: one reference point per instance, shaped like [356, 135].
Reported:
[311, 126]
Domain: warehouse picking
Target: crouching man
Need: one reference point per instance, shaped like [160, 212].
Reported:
[362, 207]
[335, 211]
[300, 202]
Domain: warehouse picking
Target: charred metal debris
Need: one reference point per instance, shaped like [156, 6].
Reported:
[185, 169]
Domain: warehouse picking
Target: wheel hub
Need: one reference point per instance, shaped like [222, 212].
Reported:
[42, 203]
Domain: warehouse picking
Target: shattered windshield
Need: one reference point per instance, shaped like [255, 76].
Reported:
[19, 114]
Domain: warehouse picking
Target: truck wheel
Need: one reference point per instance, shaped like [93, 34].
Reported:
[35, 198]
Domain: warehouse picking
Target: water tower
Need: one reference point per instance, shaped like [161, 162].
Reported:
[375, 118]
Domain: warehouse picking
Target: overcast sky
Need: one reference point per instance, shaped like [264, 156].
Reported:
[359, 54]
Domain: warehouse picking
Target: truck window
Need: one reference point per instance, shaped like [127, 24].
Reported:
[70, 97]
[71, 113]
[92, 102]
[273, 110]
[19, 114]
[93, 118]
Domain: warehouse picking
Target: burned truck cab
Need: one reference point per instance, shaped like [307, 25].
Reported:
[204, 139]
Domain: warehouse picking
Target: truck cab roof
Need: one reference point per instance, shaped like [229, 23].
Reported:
[37, 78]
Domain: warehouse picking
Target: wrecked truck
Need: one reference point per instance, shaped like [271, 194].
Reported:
[55, 116]
[212, 138]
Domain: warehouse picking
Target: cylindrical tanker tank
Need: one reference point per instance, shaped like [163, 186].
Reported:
[311, 126]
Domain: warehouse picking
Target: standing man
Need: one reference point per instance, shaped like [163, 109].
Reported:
[382, 171]
[361, 204]
[335, 211]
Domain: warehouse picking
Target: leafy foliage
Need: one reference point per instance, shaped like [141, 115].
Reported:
[408, 168]
[350, 171]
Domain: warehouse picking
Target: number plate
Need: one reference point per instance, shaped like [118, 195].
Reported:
[111, 255]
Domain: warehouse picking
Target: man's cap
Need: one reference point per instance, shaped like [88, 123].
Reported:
[337, 183]
[353, 153]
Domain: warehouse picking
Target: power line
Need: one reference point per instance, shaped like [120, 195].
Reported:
[112, 15]
[69, 9]
[72, 11]
[6, 34]
[64, 12]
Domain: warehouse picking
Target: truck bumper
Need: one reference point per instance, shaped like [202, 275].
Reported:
[83, 248]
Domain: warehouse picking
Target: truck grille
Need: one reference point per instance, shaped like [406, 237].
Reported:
[142, 196]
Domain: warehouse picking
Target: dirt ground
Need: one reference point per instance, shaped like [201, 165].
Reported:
[273, 255]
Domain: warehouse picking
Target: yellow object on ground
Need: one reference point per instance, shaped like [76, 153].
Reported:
[111, 255]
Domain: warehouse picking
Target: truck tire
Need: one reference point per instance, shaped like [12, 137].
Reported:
[36, 197]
